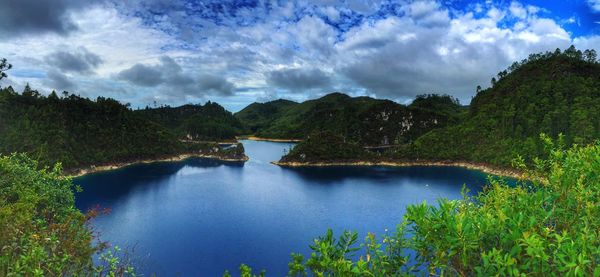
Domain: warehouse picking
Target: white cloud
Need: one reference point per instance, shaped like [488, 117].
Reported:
[453, 58]
[422, 47]
[591, 42]
[119, 41]
[332, 13]
[518, 10]
[594, 5]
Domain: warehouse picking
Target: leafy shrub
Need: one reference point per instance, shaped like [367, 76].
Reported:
[41, 231]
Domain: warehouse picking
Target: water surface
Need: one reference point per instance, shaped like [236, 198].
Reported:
[199, 217]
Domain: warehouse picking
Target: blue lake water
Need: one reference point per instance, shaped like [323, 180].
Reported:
[200, 217]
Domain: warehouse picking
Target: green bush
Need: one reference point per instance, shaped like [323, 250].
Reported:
[41, 231]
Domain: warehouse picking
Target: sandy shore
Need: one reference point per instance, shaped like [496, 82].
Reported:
[512, 173]
[94, 169]
[269, 139]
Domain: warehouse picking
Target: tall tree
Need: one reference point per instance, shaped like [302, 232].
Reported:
[4, 66]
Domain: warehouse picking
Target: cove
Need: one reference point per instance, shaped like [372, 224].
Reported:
[199, 217]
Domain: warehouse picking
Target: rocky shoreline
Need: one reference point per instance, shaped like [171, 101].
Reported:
[485, 168]
[93, 169]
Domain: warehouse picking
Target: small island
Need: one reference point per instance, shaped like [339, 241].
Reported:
[230, 153]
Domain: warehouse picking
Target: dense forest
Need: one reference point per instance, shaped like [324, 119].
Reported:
[258, 116]
[208, 122]
[77, 131]
[80, 132]
[326, 146]
[552, 93]
[364, 120]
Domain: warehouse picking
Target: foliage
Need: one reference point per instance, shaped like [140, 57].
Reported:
[41, 231]
[233, 151]
[79, 132]
[257, 116]
[336, 258]
[4, 66]
[547, 226]
[246, 271]
[378, 123]
[325, 146]
[363, 120]
[208, 122]
[553, 93]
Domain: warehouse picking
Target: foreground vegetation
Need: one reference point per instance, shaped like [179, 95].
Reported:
[41, 231]
[547, 226]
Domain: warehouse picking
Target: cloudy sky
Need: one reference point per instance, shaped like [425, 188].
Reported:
[237, 52]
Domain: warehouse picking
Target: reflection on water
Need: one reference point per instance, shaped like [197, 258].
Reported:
[199, 217]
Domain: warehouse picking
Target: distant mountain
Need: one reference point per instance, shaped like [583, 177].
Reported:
[365, 120]
[208, 122]
[552, 93]
[258, 116]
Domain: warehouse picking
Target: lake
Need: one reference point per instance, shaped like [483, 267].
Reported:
[200, 217]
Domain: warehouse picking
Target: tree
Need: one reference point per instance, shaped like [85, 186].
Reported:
[41, 231]
[590, 55]
[4, 66]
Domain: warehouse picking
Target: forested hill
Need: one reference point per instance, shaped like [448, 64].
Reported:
[552, 93]
[77, 131]
[365, 120]
[258, 116]
[208, 122]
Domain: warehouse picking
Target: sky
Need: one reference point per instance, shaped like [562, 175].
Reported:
[173, 52]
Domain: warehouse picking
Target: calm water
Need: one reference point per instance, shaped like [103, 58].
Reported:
[199, 217]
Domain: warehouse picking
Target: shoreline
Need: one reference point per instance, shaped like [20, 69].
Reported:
[267, 139]
[176, 158]
[488, 169]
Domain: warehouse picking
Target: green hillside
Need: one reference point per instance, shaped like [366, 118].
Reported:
[77, 131]
[364, 120]
[208, 122]
[257, 116]
[552, 93]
